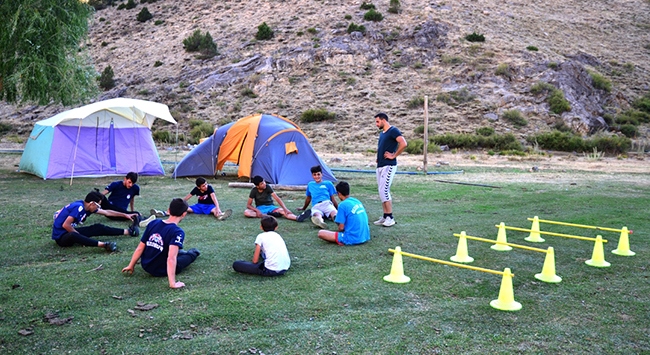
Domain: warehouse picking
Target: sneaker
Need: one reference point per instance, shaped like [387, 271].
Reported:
[110, 246]
[225, 215]
[134, 231]
[157, 213]
[318, 221]
[194, 251]
[145, 222]
[136, 221]
[304, 215]
[379, 222]
[388, 222]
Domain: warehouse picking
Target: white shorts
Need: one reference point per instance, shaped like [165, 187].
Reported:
[324, 207]
[385, 176]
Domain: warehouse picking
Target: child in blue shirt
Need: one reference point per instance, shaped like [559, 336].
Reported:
[322, 196]
[351, 218]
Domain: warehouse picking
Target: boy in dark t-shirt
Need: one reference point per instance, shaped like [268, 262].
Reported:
[207, 201]
[120, 195]
[160, 248]
[263, 195]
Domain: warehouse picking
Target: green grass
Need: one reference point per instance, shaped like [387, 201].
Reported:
[333, 299]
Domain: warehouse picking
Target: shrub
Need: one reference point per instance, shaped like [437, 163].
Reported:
[161, 136]
[200, 129]
[130, 5]
[201, 43]
[475, 37]
[373, 15]
[541, 87]
[264, 32]
[366, 6]
[106, 80]
[394, 7]
[532, 48]
[504, 70]
[317, 115]
[356, 28]
[5, 127]
[158, 22]
[600, 82]
[144, 15]
[348, 17]
[629, 130]
[416, 102]
[416, 146]
[552, 65]
[515, 117]
[157, 64]
[557, 102]
[561, 126]
[642, 103]
[455, 98]
[485, 131]
[312, 30]
[420, 129]
[248, 93]
[472, 141]
[568, 142]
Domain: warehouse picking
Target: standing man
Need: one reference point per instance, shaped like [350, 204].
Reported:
[391, 144]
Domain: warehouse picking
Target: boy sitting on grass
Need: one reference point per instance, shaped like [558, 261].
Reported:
[352, 220]
[161, 245]
[270, 246]
[263, 195]
[322, 194]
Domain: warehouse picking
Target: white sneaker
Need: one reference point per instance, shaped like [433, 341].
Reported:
[379, 222]
[388, 222]
[318, 221]
[145, 222]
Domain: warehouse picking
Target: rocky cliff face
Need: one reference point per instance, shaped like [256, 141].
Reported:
[313, 62]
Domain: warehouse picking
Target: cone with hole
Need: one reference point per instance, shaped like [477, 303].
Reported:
[548, 271]
[506, 300]
[397, 270]
[623, 248]
[462, 255]
[598, 256]
[501, 238]
[534, 234]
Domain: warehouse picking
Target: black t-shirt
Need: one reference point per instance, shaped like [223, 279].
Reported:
[204, 197]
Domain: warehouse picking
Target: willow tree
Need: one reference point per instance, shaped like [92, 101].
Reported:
[41, 59]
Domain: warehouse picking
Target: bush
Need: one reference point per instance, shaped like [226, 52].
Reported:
[642, 103]
[366, 6]
[629, 130]
[541, 87]
[485, 131]
[504, 70]
[161, 136]
[106, 80]
[248, 92]
[317, 115]
[420, 129]
[455, 98]
[416, 146]
[130, 5]
[5, 127]
[416, 102]
[472, 141]
[475, 37]
[532, 48]
[348, 17]
[200, 129]
[600, 82]
[373, 15]
[561, 126]
[264, 32]
[157, 64]
[515, 117]
[557, 102]
[201, 43]
[394, 7]
[568, 142]
[356, 28]
[144, 15]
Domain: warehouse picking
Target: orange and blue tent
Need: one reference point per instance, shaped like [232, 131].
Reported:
[262, 144]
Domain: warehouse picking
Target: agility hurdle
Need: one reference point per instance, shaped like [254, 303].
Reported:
[548, 270]
[623, 248]
[598, 256]
[505, 301]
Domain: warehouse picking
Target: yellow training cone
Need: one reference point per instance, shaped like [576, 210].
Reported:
[623, 248]
[548, 271]
[534, 234]
[506, 300]
[397, 270]
[501, 237]
[598, 256]
[461, 252]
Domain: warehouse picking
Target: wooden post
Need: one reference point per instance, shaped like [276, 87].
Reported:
[426, 131]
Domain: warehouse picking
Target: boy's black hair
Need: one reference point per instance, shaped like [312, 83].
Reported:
[133, 176]
[382, 116]
[343, 188]
[177, 207]
[316, 169]
[94, 196]
[200, 181]
[257, 180]
[269, 223]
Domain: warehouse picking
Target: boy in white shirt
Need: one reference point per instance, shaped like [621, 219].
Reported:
[270, 246]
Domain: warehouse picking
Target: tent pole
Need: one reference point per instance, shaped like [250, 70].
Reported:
[74, 156]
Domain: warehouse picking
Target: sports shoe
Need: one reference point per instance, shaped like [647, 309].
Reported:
[304, 215]
[194, 251]
[136, 220]
[388, 222]
[145, 222]
[134, 231]
[317, 220]
[110, 246]
[225, 215]
[379, 222]
[157, 213]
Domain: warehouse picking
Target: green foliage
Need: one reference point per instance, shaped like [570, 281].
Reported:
[5, 127]
[568, 142]
[456, 97]
[633, 116]
[201, 43]
[356, 28]
[642, 103]
[515, 117]
[317, 115]
[130, 5]
[475, 37]
[312, 30]
[450, 60]
[558, 104]
[348, 17]
[148, 1]
[144, 15]
[416, 146]
[158, 22]
[600, 82]
[157, 64]
[264, 32]
[248, 92]
[162, 136]
[367, 6]
[416, 102]
[541, 87]
[629, 130]
[473, 141]
[106, 80]
[200, 129]
[420, 129]
[561, 126]
[485, 131]
[395, 7]
[504, 70]
[532, 48]
[552, 65]
[41, 59]
[373, 15]
[101, 4]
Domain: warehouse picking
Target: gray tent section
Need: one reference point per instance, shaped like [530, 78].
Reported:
[202, 160]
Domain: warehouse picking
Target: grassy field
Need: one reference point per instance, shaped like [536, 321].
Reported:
[333, 299]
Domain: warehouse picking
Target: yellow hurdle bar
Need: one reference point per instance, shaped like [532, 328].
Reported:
[554, 234]
[579, 225]
[502, 243]
[450, 263]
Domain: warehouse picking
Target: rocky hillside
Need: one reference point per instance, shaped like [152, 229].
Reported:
[313, 62]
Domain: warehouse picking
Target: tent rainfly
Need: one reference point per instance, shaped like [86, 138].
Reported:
[111, 137]
[267, 145]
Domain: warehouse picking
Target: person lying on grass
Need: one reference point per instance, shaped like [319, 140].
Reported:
[270, 246]
[263, 195]
[161, 245]
[351, 218]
